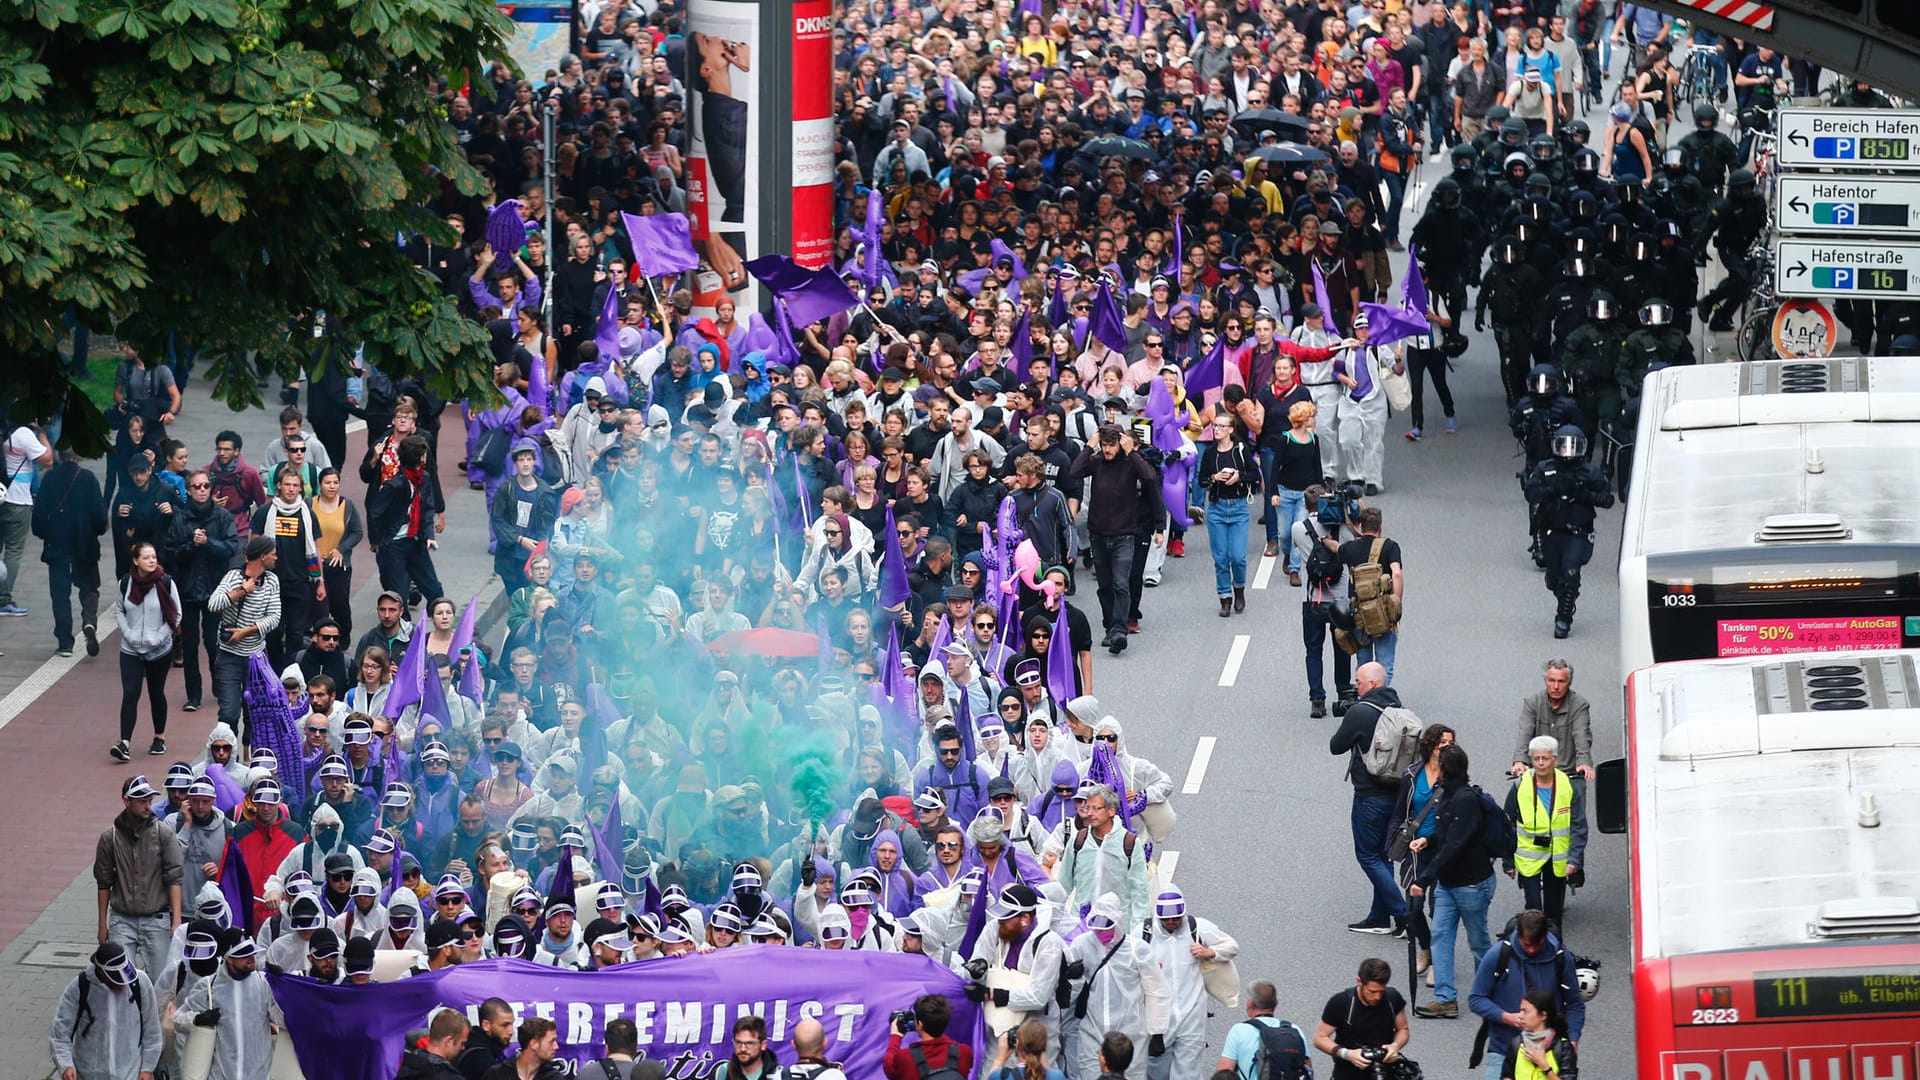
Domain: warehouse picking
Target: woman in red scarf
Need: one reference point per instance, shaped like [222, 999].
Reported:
[148, 611]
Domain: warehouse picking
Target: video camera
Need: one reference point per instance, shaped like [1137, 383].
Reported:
[1340, 506]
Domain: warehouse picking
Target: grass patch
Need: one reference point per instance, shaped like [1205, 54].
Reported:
[97, 383]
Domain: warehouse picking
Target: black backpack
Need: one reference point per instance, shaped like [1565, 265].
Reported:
[1282, 1054]
[1323, 565]
[1498, 839]
[83, 1014]
[927, 1072]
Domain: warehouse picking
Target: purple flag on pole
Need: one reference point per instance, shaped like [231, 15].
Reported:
[662, 244]
[357, 1032]
[1106, 321]
[472, 682]
[609, 845]
[560, 890]
[783, 350]
[433, 696]
[506, 231]
[1163, 415]
[894, 590]
[236, 884]
[810, 295]
[870, 261]
[271, 722]
[1387, 324]
[1057, 311]
[406, 681]
[1021, 346]
[606, 328]
[1060, 675]
[1413, 287]
[463, 633]
[1137, 25]
[1173, 266]
[1210, 373]
[1320, 297]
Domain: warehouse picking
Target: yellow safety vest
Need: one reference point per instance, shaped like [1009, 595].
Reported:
[1525, 1069]
[1544, 834]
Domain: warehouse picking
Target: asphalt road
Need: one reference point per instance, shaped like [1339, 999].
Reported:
[1263, 844]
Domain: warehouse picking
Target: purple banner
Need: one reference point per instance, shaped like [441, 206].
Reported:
[684, 1008]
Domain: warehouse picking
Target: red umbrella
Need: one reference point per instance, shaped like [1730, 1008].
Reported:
[767, 641]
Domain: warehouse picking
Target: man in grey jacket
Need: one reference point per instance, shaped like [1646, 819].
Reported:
[136, 867]
[1558, 711]
[202, 831]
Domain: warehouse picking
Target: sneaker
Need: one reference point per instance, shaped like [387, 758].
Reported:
[192, 705]
[119, 752]
[1175, 548]
[93, 639]
[158, 746]
[1118, 644]
[1319, 708]
[1372, 489]
[1133, 626]
[1438, 1010]
[1413, 434]
[1370, 926]
[1395, 245]
[63, 651]
[14, 611]
[1451, 428]
[1273, 548]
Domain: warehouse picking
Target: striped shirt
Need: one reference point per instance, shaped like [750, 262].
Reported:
[260, 608]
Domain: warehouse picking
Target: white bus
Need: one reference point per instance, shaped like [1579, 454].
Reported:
[1775, 508]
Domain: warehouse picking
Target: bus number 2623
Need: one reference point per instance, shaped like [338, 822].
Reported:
[1716, 1016]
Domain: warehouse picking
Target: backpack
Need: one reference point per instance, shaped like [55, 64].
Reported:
[1498, 839]
[1282, 1054]
[1375, 611]
[1562, 965]
[927, 1072]
[83, 1014]
[1323, 565]
[1126, 844]
[1395, 743]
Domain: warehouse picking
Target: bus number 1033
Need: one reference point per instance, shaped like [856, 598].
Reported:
[1679, 600]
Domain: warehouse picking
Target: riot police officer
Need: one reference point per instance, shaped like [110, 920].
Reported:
[1449, 241]
[1470, 179]
[1592, 357]
[1545, 152]
[1636, 279]
[1706, 150]
[1485, 144]
[1533, 419]
[1584, 173]
[1677, 193]
[1512, 288]
[1563, 310]
[1733, 223]
[1565, 490]
[1658, 343]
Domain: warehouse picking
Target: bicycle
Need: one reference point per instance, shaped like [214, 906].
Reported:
[1753, 338]
[1699, 76]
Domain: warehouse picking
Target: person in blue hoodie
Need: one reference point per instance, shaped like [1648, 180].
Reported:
[1529, 958]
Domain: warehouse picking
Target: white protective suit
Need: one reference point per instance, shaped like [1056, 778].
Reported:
[1363, 423]
[1187, 1002]
[1327, 392]
[118, 1040]
[243, 1040]
[1142, 775]
[1039, 957]
[1123, 992]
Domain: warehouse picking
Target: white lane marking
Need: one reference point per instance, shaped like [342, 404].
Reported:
[1197, 772]
[1167, 862]
[44, 677]
[1264, 572]
[1235, 654]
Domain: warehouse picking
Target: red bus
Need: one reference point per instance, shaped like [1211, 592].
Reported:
[1773, 806]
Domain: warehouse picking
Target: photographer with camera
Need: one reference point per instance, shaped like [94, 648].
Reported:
[932, 1053]
[1364, 1026]
[1564, 491]
[1316, 539]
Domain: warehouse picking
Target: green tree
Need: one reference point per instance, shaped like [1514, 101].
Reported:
[221, 170]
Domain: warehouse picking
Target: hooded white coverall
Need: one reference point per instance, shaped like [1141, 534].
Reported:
[243, 1040]
[1124, 993]
[1186, 1057]
[118, 1041]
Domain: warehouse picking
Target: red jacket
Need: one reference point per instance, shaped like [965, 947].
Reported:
[899, 1064]
[264, 847]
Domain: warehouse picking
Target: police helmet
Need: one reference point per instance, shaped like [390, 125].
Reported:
[1517, 164]
[1674, 160]
[1600, 306]
[1616, 230]
[1540, 184]
[1585, 206]
[1544, 148]
[1706, 116]
[1579, 269]
[1543, 379]
[1447, 192]
[1741, 182]
[1498, 114]
[1642, 247]
[1578, 132]
[1513, 135]
[1583, 242]
[1628, 192]
[1527, 229]
[1570, 442]
[1506, 250]
[1534, 208]
[1586, 161]
[1465, 158]
[1656, 313]
[1587, 972]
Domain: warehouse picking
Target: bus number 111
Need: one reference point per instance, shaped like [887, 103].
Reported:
[1790, 993]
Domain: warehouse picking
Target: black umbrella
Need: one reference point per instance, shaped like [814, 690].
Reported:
[1287, 124]
[1120, 146]
[1290, 153]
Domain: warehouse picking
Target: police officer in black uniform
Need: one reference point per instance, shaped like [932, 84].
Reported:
[1733, 223]
[1563, 310]
[1533, 419]
[1678, 194]
[1449, 240]
[1512, 288]
[1658, 343]
[1591, 359]
[1565, 489]
[1707, 152]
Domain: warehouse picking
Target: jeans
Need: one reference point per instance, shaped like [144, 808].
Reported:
[1493, 1066]
[145, 937]
[198, 630]
[1113, 567]
[1377, 650]
[405, 565]
[1293, 507]
[1227, 540]
[1396, 198]
[134, 671]
[339, 602]
[1439, 119]
[15, 518]
[1313, 634]
[1467, 904]
[1370, 817]
[64, 576]
[229, 683]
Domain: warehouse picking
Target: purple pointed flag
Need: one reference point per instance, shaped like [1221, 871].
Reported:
[226, 793]
[870, 259]
[271, 722]
[662, 244]
[1137, 25]
[1060, 676]
[1057, 311]
[609, 844]
[606, 328]
[976, 915]
[506, 231]
[463, 633]
[236, 886]
[433, 696]
[472, 683]
[1386, 325]
[560, 891]
[894, 590]
[783, 350]
[1413, 287]
[1320, 297]
[539, 391]
[1179, 248]
[1021, 345]
[1209, 373]
[810, 295]
[1106, 321]
[1163, 415]
[406, 681]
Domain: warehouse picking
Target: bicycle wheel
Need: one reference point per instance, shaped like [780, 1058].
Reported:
[1754, 340]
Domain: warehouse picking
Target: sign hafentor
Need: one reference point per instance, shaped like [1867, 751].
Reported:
[1848, 205]
[1847, 269]
[1865, 139]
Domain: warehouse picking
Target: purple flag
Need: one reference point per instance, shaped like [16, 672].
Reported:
[472, 683]
[1210, 373]
[784, 351]
[609, 845]
[894, 590]
[661, 243]
[1413, 287]
[506, 232]
[271, 723]
[606, 329]
[976, 915]
[810, 295]
[1320, 297]
[1061, 682]
[539, 391]
[1021, 346]
[433, 696]
[1179, 245]
[1057, 311]
[870, 262]
[1387, 324]
[356, 1032]
[463, 632]
[1106, 321]
[560, 889]
[226, 793]
[406, 681]
[236, 884]
[1164, 416]
[1137, 25]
